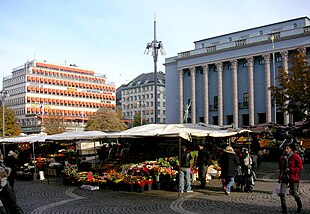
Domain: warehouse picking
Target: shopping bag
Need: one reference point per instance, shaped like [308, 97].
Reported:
[276, 190]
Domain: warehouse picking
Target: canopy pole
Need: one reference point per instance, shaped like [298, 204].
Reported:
[3, 144]
[35, 164]
[180, 146]
[97, 172]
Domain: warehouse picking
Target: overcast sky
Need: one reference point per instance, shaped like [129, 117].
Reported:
[110, 36]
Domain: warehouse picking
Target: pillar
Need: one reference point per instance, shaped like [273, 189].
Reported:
[180, 74]
[251, 90]
[267, 86]
[205, 69]
[235, 92]
[284, 56]
[193, 94]
[219, 66]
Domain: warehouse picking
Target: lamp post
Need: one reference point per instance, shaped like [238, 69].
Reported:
[4, 94]
[274, 77]
[153, 47]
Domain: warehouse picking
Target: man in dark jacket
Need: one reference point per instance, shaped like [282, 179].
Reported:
[229, 163]
[202, 162]
[290, 166]
[185, 171]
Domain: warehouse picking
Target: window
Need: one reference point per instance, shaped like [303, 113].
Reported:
[246, 99]
[294, 25]
[211, 48]
[244, 64]
[261, 32]
[214, 69]
[229, 39]
[215, 102]
[261, 62]
[202, 45]
[240, 42]
[229, 67]
[278, 59]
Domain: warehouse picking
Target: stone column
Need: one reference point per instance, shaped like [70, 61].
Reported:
[284, 55]
[251, 90]
[219, 66]
[267, 86]
[205, 69]
[193, 90]
[234, 64]
[180, 74]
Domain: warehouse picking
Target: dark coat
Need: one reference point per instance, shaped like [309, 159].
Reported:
[229, 163]
[203, 158]
[8, 198]
[186, 159]
[295, 166]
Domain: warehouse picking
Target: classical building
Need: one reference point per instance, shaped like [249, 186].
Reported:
[38, 90]
[225, 79]
[137, 97]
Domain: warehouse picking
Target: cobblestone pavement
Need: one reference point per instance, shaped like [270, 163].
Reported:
[36, 197]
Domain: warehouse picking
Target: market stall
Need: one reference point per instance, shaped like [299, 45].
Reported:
[167, 135]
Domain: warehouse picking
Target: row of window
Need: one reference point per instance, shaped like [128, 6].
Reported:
[66, 83]
[141, 89]
[131, 114]
[69, 93]
[33, 122]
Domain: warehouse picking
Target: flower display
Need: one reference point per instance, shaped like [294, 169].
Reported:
[139, 174]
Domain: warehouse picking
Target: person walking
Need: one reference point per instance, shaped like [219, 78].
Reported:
[202, 162]
[229, 162]
[7, 194]
[11, 162]
[290, 166]
[185, 171]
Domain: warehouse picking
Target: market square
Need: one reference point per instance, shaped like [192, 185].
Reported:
[39, 197]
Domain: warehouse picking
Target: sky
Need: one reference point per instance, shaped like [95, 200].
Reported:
[110, 36]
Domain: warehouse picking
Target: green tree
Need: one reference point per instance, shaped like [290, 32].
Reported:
[105, 119]
[137, 120]
[11, 126]
[54, 124]
[293, 91]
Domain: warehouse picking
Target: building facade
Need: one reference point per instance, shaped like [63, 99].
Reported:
[225, 79]
[38, 90]
[137, 97]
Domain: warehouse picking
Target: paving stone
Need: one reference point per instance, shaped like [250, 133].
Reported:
[36, 197]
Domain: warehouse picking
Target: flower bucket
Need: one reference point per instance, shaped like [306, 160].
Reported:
[141, 189]
[148, 187]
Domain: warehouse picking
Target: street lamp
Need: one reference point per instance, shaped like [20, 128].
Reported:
[152, 48]
[4, 94]
[274, 77]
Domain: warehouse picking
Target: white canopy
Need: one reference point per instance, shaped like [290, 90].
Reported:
[185, 131]
[25, 139]
[83, 135]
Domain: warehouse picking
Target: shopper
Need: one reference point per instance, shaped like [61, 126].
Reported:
[290, 166]
[7, 194]
[11, 162]
[202, 162]
[229, 163]
[185, 171]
